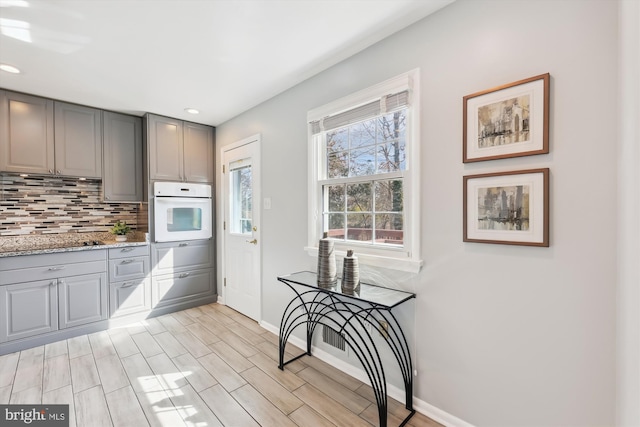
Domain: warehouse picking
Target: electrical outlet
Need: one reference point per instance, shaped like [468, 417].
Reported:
[383, 328]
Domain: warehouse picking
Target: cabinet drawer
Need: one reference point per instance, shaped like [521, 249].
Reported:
[128, 268]
[75, 257]
[180, 287]
[174, 257]
[128, 252]
[51, 272]
[129, 297]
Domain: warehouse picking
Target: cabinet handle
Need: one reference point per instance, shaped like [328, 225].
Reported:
[58, 172]
[53, 283]
[126, 249]
[183, 275]
[182, 245]
[127, 261]
[51, 171]
[127, 285]
[56, 268]
[106, 197]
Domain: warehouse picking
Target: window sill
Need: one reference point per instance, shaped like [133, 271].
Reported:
[400, 264]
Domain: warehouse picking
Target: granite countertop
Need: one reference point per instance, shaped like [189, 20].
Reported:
[68, 242]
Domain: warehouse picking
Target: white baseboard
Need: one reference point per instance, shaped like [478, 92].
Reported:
[394, 392]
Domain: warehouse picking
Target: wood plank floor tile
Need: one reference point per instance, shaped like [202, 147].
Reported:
[193, 345]
[8, 366]
[198, 377]
[166, 372]
[56, 373]
[169, 344]
[333, 373]
[124, 344]
[84, 374]
[222, 372]
[125, 409]
[330, 387]
[29, 372]
[79, 346]
[153, 326]
[250, 324]
[307, 417]
[159, 409]
[211, 324]
[92, 409]
[202, 333]
[183, 318]
[32, 352]
[5, 394]
[62, 396]
[193, 410]
[329, 408]
[55, 349]
[279, 396]
[101, 345]
[140, 374]
[30, 396]
[263, 411]
[234, 359]
[226, 408]
[147, 345]
[220, 317]
[240, 345]
[170, 323]
[245, 333]
[112, 374]
[272, 350]
[371, 414]
[194, 312]
[286, 378]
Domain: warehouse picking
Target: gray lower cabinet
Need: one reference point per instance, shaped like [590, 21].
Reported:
[45, 293]
[129, 281]
[122, 153]
[28, 309]
[182, 272]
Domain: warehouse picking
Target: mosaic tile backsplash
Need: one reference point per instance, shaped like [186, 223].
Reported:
[54, 205]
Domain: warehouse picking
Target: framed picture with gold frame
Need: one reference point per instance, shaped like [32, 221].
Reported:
[511, 120]
[509, 208]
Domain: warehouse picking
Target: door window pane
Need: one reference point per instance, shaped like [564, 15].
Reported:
[241, 202]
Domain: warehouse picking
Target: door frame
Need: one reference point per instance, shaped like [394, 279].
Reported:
[257, 211]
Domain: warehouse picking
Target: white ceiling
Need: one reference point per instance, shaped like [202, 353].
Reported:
[221, 57]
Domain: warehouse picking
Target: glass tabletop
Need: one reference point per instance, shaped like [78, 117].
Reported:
[370, 293]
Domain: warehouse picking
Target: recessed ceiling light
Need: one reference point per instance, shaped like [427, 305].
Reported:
[9, 68]
[192, 111]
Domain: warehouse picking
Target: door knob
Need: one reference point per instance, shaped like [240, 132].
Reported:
[254, 241]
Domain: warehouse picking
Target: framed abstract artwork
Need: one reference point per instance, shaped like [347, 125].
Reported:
[507, 121]
[509, 208]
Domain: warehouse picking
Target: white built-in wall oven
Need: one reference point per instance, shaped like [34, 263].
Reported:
[181, 211]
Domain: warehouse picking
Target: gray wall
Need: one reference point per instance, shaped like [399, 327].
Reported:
[506, 336]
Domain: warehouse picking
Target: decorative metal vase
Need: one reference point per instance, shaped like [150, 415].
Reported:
[327, 273]
[350, 274]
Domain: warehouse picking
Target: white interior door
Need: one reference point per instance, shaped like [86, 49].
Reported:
[242, 242]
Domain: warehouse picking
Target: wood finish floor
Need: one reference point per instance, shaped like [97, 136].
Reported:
[205, 366]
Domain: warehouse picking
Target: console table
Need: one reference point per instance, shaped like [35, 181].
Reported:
[356, 316]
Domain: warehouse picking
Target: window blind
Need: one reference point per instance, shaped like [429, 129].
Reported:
[386, 104]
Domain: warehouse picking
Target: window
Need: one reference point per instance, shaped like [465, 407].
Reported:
[363, 168]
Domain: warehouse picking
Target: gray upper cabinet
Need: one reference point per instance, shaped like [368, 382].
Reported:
[42, 136]
[166, 148]
[122, 152]
[179, 151]
[26, 133]
[78, 140]
[198, 152]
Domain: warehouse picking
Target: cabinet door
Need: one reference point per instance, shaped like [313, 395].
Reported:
[165, 148]
[83, 299]
[122, 151]
[198, 153]
[78, 140]
[28, 309]
[26, 133]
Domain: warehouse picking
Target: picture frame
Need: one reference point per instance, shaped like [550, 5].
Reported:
[510, 208]
[511, 120]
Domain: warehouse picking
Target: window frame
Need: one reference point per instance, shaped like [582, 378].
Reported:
[406, 258]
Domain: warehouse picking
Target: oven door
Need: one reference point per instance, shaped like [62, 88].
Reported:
[181, 218]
